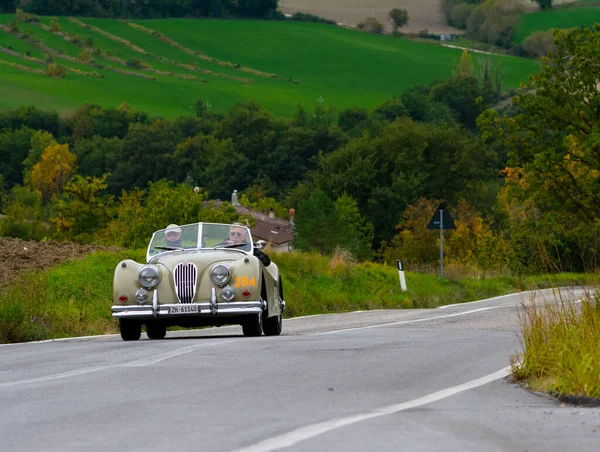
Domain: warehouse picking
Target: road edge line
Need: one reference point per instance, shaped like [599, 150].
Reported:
[310, 431]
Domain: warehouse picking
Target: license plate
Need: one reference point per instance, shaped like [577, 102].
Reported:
[184, 309]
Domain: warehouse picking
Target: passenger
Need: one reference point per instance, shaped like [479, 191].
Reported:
[173, 236]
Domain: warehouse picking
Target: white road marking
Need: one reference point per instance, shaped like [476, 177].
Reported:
[61, 339]
[403, 322]
[72, 373]
[182, 351]
[483, 301]
[333, 313]
[310, 431]
[537, 292]
[137, 363]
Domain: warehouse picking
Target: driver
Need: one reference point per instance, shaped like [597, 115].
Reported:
[173, 236]
[237, 235]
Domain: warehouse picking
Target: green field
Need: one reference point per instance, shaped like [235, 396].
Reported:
[556, 18]
[344, 67]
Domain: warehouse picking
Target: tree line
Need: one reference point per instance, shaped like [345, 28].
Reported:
[150, 9]
[522, 183]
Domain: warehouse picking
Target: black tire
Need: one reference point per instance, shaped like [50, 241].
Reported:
[272, 325]
[156, 330]
[131, 330]
[253, 326]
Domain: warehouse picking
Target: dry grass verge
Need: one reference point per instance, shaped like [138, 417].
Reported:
[108, 35]
[23, 68]
[561, 347]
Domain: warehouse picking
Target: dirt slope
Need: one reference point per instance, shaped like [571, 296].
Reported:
[423, 14]
[17, 255]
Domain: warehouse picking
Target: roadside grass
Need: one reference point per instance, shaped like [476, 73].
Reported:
[561, 347]
[556, 18]
[314, 284]
[74, 298]
[344, 67]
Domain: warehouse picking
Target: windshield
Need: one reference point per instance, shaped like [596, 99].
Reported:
[200, 236]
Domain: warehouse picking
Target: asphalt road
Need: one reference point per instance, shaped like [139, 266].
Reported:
[378, 380]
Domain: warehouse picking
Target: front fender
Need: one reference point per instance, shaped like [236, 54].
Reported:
[125, 281]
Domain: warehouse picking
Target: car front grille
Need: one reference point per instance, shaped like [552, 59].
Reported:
[186, 275]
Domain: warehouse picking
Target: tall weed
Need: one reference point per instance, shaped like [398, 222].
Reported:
[561, 346]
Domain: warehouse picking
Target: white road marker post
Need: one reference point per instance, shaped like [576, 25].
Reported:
[401, 274]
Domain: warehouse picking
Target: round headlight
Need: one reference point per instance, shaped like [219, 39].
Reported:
[148, 277]
[220, 274]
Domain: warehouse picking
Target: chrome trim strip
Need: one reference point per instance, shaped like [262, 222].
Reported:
[155, 304]
[213, 301]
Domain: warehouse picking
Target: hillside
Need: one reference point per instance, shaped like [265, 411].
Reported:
[163, 66]
[556, 18]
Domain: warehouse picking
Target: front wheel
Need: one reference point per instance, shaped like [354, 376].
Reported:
[131, 330]
[253, 325]
[156, 330]
[272, 325]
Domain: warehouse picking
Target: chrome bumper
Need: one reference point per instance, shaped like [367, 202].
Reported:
[204, 310]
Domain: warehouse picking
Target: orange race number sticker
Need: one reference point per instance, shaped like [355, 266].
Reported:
[245, 282]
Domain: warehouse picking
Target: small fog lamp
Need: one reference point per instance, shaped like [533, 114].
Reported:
[228, 293]
[141, 296]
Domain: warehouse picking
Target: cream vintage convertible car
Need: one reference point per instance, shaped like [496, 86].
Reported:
[201, 274]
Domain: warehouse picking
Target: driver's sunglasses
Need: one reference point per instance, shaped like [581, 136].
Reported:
[236, 234]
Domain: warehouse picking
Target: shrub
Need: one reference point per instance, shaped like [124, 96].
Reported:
[460, 15]
[54, 26]
[560, 346]
[85, 56]
[13, 26]
[137, 63]
[494, 23]
[55, 70]
[539, 43]
[426, 35]
[544, 4]
[75, 39]
[26, 17]
[305, 17]
[447, 7]
[372, 25]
